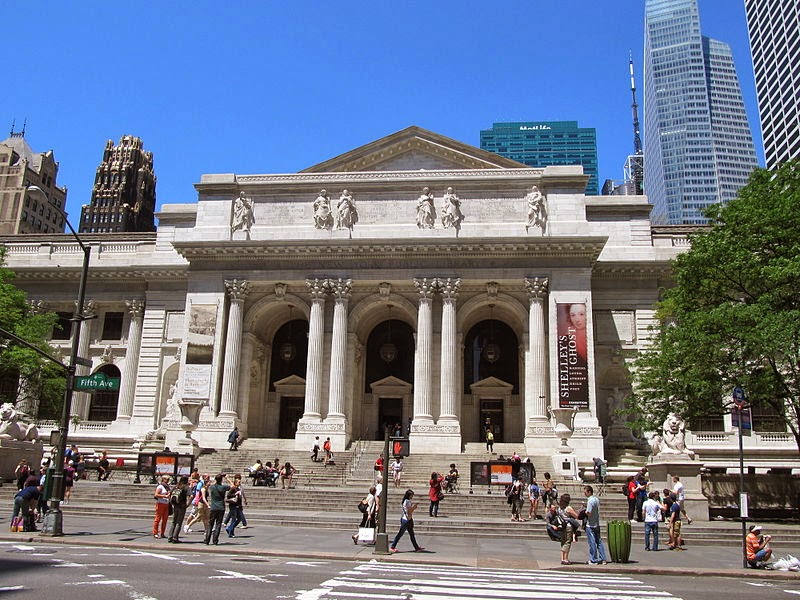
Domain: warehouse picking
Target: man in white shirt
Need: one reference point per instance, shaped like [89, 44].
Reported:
[680, 493]
[652, 511]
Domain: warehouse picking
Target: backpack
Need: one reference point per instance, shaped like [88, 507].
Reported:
[624, 489]
[175, 496]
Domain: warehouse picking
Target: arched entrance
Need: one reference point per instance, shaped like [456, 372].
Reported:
[287, 376]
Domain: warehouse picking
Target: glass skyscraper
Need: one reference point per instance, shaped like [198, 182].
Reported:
[698, 144]
[545, 143]
[774, 27]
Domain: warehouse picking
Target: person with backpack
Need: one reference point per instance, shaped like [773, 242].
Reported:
[179, 499]
[162, 497]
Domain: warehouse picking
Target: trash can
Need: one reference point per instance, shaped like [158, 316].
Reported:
[619, 541]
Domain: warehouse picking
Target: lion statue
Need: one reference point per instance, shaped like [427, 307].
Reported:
[11, 428]
[672, 437]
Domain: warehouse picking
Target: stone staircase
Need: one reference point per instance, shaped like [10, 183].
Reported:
[310, 505]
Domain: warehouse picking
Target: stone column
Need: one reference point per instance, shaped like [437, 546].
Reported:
[340, 290]
[127, 386]
[423, 369]
[237, 292]
[536, 359]
[80, 400]
[449, 358]
[316, 322]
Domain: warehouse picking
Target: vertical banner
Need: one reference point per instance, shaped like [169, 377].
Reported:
[200, 351]
[573, 369]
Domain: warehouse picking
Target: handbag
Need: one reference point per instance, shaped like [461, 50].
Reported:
[362, 506]
[17, 524]
[366, 535]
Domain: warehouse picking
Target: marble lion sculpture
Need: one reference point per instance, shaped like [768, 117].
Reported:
[11, 428]
[672, 437]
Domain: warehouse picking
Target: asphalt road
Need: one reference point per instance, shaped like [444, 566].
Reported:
[41, 570]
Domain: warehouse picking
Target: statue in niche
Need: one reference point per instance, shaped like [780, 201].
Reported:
[672, 437]
[537, 210]
[346, 213]
[323, 217]
[451, 211]
[242, 217]
[426, 211]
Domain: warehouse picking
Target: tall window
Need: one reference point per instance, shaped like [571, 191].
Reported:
[112, 325]
[103, 406]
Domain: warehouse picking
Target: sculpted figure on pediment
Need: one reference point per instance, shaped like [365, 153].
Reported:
[323, 217]
[451, 211]
[346, 213]
[537, 210]
[426, 211]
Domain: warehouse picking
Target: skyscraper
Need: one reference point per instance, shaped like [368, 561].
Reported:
[30, 199]
[545, 143]
[774, 27]
[124, 192]
[698, 146]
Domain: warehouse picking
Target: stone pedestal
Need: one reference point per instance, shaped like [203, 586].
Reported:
[435, 439]
[662, 467]
[13, 451]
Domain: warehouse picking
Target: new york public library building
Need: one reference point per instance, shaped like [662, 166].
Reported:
[415, 278]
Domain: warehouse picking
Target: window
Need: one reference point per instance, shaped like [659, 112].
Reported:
[112, 326]
[63, 328]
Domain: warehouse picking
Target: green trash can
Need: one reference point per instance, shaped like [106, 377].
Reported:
[619, 541]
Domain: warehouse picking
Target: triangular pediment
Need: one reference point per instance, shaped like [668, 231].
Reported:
[490, 382]
[390, 381]
[414, 149]
[290, 380]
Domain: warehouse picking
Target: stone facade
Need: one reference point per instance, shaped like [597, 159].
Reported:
[295, 331]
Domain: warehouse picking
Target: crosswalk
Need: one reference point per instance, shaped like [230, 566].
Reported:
[387, 581]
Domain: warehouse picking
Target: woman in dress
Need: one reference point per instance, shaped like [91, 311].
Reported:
[407, 522]
[435, 493]
[426, 211]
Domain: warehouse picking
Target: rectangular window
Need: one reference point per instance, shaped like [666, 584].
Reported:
[63, 327]
[112, 325]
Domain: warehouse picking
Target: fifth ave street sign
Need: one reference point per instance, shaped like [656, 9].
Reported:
[98, 381]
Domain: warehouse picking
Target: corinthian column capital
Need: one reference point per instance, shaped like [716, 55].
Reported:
[135, 308]
[339, 288]
[536, 287]
[425, 287]
[316, 287]
[449, 287]
[237, 289]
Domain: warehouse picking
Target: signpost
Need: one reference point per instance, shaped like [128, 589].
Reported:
[741, 419]
[96, 382]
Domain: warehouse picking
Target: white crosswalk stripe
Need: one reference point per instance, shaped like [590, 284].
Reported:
[385, 581]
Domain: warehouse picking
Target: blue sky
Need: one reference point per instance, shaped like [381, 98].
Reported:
[274, 87]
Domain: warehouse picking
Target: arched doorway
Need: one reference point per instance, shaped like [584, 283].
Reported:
[288, 364]
[491, 353]
[103, 405]
[389, 355]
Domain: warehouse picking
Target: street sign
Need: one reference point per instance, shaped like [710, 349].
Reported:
[738, 396]
[742, 418]
[96, 382]
[84, 362]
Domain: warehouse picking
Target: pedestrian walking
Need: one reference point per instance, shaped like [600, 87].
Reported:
[489, 441]
[680, 493]
[315, 450]
[161, 518]
[533, 497]
[233, 439]
[216, 498]
[234, 500]
[407, 522]
[179, 499]
[676, 541]
[202, 510]
[369, 508]
[653, 511]
[515, 498]
[326, 447]
[397, 470]
[594, 538]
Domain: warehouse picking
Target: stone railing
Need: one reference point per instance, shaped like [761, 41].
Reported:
[776, 437]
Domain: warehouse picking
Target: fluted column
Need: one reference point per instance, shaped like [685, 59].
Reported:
[80, 400]
[536, 359]
[449, 363]
[127, 386]
[316, 322]
[423, 369]
[340, 290]
[237, 292]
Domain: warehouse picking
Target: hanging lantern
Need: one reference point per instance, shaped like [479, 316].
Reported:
[388, 351]
[287, 350]
[491, 351]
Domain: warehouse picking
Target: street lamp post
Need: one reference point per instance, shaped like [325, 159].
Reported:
[53, 519]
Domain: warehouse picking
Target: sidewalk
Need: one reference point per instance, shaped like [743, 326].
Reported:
[486, 551]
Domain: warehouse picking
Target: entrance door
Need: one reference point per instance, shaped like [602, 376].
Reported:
[291, 411]
[491, 417]
[390, 413]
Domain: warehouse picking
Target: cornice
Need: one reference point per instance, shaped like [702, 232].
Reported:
[410, 253]
[630, 270]
[106, 274]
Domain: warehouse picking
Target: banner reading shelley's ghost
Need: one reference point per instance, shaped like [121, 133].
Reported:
[573, 370]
